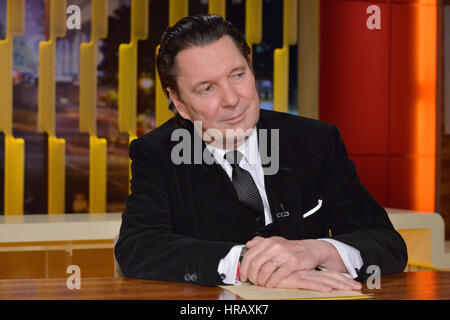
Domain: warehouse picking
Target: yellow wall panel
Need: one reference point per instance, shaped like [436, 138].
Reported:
[177, 9]
[281, 57]
[97, 174]
[46, 107]
[253, 21]
[6, 101]
[218, 7]
[14, 148]
[281, 79]
[128, 67]
[56, 175]
[14, 175]
[88, 107]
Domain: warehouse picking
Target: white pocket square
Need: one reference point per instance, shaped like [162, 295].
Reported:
[310, 212]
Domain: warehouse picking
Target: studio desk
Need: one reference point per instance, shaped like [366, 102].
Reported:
[44, 246]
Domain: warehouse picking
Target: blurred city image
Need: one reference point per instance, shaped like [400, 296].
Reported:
[26, 81]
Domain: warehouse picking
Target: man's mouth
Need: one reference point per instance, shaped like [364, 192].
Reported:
[235, 119]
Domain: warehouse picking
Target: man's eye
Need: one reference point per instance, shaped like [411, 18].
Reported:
[238, 75]
[206, 89]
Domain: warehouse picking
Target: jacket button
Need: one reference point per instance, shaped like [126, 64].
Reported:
[193, 277]
[222, 276]
[187, 277]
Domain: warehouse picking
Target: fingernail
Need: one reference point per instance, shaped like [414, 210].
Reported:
[357, 285]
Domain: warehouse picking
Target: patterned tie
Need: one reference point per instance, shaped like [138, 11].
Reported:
[245, 186]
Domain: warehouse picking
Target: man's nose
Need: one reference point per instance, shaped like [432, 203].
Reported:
[230, 96]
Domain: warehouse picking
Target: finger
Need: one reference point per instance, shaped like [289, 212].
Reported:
[354, 284]
[253, 242]
[279, 274]
[268, 252]
[264, 273]
[331, 281]
[254, 258]
[301, 283]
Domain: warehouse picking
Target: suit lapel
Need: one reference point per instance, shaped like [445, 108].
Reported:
[283, 188]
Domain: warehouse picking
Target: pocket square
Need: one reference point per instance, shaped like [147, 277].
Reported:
[310, 212]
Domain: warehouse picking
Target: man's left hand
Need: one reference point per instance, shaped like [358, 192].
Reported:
[270, 260]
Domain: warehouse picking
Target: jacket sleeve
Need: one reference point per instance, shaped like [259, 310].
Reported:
[355, 218]
[148, 247]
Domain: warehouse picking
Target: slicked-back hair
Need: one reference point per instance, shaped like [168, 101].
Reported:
[195, 31]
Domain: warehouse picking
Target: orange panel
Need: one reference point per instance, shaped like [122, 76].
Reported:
[413, 99]
[404, 192]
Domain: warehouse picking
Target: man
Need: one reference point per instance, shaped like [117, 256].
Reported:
[310, 224]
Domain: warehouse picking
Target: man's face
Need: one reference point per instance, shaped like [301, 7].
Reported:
[216, 86]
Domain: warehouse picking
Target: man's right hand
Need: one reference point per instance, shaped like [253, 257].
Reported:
[323, 281]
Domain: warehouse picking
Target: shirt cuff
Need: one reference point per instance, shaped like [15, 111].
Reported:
[349, 255]
[228, 265]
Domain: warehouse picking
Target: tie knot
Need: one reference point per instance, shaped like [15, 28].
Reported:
[233, 157]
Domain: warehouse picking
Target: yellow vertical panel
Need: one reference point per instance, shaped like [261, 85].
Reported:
[281, 80]
[281, 57]
[88, 108]
[14, 175]
[99, 19]
[88, 88]
[56, 175]
[290, 22]
[46, 107]
[218, 7]
[127, 88]
[128, 67]
[162, 111]
[15, 13]
[308, 59]
[139, 20]
[57, 18]
[6, 87]
[177, 9]
[88, 68]
[15, 25]
[47, 53]
[97, 176]
[46, 89]
[253, 21]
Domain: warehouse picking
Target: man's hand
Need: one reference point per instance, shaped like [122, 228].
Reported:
[323, 281]
[268, 261]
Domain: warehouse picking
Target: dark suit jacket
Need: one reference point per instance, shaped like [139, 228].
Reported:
[180, 220]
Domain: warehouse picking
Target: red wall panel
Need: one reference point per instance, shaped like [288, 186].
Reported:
[353, 76]
[373, 172]
[378, 86]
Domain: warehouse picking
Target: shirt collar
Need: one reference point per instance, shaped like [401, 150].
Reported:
[249, 149]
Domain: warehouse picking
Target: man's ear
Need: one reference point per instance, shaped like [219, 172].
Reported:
[178, 103]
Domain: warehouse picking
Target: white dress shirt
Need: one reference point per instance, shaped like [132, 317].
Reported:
[251, 161]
